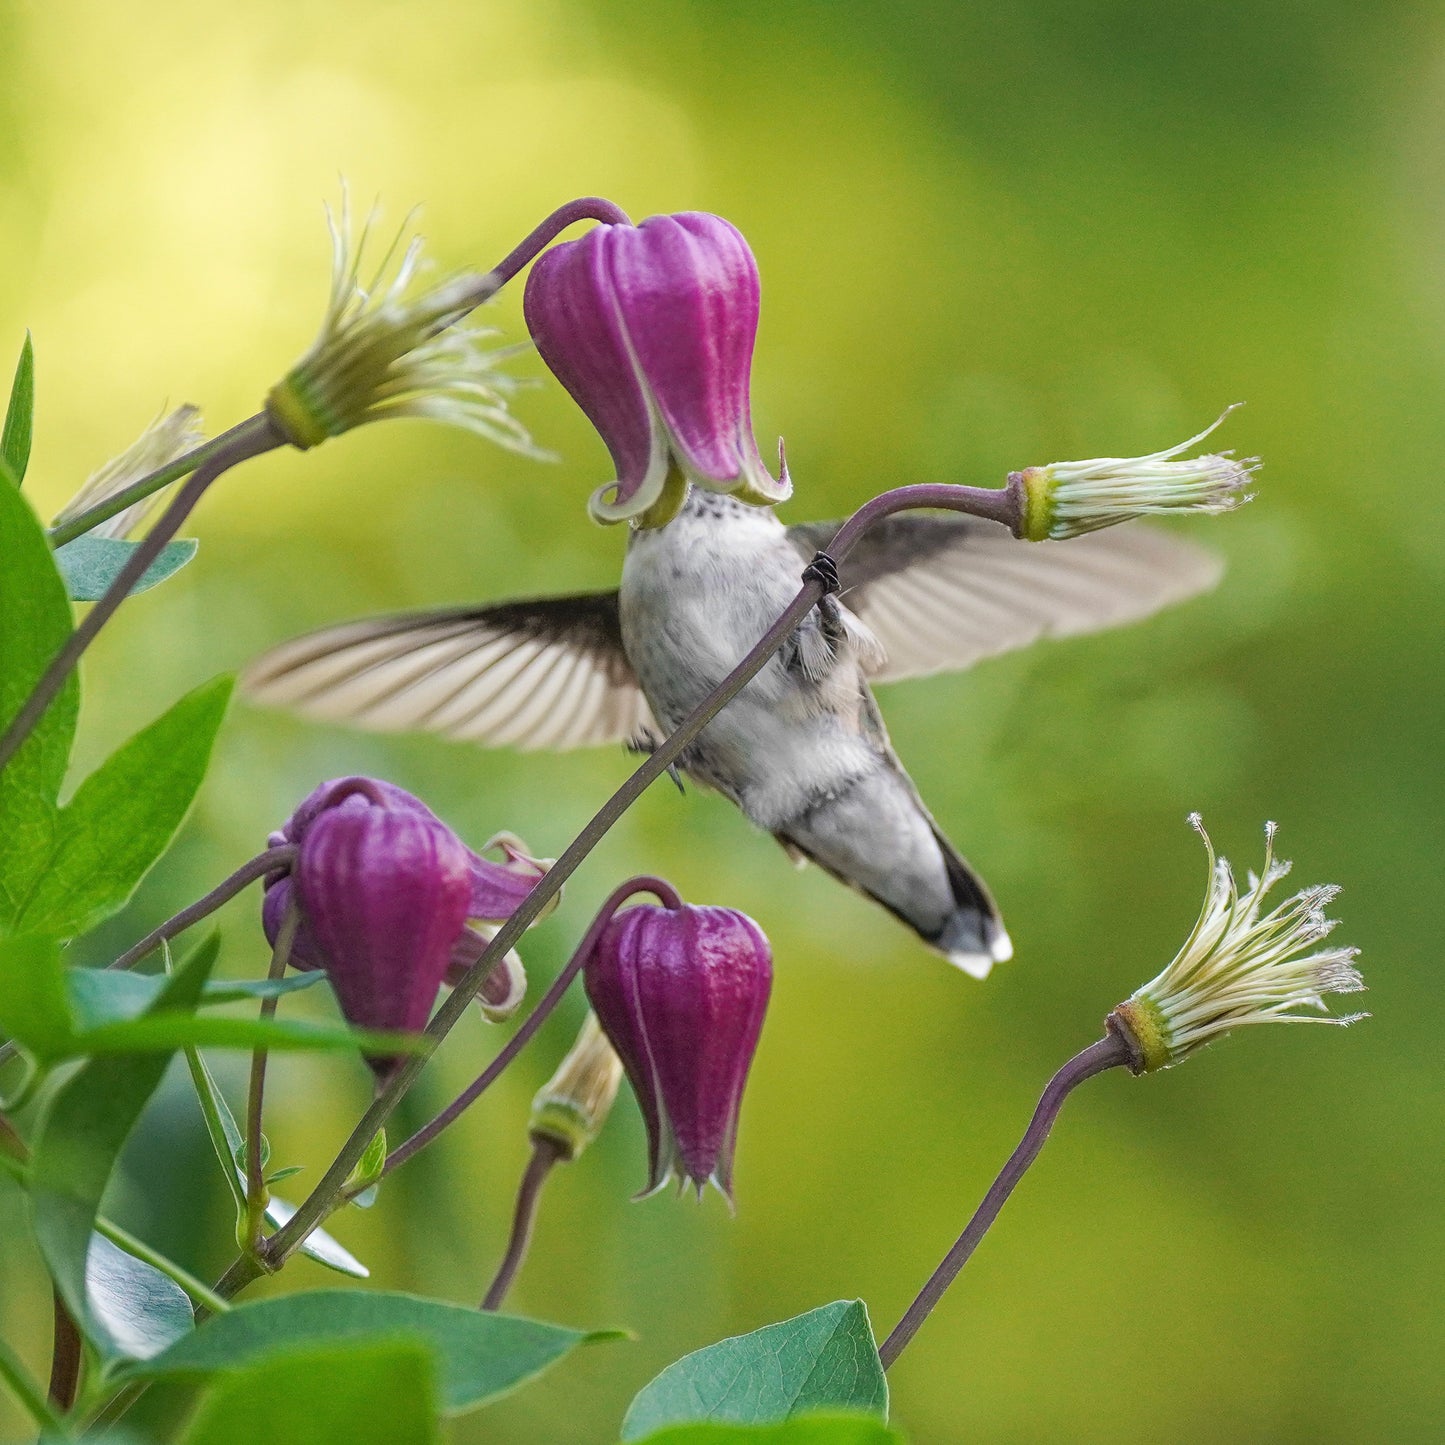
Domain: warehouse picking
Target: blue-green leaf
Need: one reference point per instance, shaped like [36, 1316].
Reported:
[479, 1355]
[371, 1392]
[829, 1429]
[19, 416]
[90, 564]
[825, 1359]
[123, 817]
[79, 1140]
[142, 1310]
[107, 996]
[34, 625]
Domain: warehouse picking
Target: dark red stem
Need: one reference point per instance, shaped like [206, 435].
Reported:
[1108, 1053]
[249, 439]
[534, 1020]
[545, 1154]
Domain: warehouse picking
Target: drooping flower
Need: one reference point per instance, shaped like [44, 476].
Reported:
[392, 902]
[168, 437]
[651, 330]
[681, 994]
[389, 348]
[1067, 499]
[574, 1103]
[1238, 967]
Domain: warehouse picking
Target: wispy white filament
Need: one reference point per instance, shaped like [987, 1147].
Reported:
[389, 348]
[169, 436]
[1086, 496]
[1243, 966]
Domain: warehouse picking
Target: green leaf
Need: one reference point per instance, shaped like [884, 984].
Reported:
[368, 1167]
[34, 1009]
[123, 817]
[166, 1029]
[90, 564]
[34, 625]
[825, 1359]
[479, 1355]
[829, 1429]
[369, 1393]
[80, 1137]
[142, 1310]
[107, 996]
[20, 416]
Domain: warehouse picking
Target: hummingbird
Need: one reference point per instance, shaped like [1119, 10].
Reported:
[802, 750]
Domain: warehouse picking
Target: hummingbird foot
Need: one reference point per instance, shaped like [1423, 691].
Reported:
[823, 570]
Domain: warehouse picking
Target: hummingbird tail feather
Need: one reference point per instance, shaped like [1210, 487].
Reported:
[973, 937]
[923, 880]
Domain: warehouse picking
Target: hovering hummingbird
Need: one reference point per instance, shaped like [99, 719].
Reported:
[802, 750]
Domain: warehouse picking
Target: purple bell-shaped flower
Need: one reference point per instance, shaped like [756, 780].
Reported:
[651, 330]
[391, 900]
[681, 994]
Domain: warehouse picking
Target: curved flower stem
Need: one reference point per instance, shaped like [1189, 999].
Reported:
[546, 1153]
[249, 439]
[534, 1020]
[255, 1182]
[92, 517]
[998, 504]
[586, 208]
[1108, 1053]
[268, 862]
[65, 1357]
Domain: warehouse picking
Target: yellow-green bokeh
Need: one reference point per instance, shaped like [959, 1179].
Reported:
[990, 235]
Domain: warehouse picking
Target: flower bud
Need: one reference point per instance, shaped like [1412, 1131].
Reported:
[389, 349]
[1067, 499]
[387, 895]
[681, 994]
[1238, 968]
[573, 1104]
[651, 330]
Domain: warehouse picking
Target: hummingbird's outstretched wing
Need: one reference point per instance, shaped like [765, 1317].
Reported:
[546, 673]
[941, 592]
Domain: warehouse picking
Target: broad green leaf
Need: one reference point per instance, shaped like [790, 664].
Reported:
[107, 996]
[479, 1355]
[20, 416]
[166, 1029]
[142, 1310]
[379, 1392]
[319, 1245]
[80, 1137]
[829, 1429]
[90, 564]
[123, 817]
[823, 1360]
[34, 624]
[34, 1009]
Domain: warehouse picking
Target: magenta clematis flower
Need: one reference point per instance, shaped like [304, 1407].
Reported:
[681, 994]
[392, 902]
[651, 330]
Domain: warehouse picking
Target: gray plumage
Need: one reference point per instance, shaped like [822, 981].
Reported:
[802, 750]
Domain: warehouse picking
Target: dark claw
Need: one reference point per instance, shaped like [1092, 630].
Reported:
[676, 777]
[823, 569]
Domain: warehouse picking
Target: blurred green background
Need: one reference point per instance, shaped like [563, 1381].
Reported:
[990, 235]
